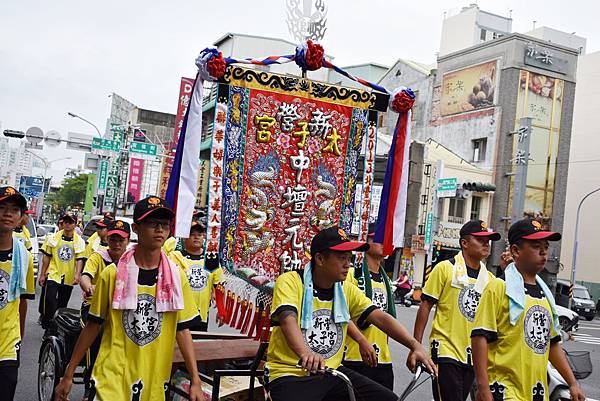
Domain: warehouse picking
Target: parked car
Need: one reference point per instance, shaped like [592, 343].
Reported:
[90, 227]
[43, 230]
[582, 301]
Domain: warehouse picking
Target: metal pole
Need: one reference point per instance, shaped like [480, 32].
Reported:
[574, 269]
[521, 164]
[37, 220]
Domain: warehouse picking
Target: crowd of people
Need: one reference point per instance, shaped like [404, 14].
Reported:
[491, 337]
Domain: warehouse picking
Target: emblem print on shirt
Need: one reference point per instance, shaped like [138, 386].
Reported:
[538, 392]
[325, 337]
[198, 277]
[497, 390]
[380, 299]
[136, 390]
[4, 280]
[468, 300]
[65, 253]
[536, 326]
[143, 324]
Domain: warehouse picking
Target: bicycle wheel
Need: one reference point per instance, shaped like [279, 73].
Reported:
[48, 371]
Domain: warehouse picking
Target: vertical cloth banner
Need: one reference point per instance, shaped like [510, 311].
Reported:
[185, 92]
[392, 207]
[181, 192]
[284, 165]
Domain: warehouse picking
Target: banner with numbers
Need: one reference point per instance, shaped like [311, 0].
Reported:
[284, 161]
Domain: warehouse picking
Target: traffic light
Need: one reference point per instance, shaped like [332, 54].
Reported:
[478, 187]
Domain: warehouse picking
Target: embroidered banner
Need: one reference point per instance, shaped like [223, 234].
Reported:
[284, 165]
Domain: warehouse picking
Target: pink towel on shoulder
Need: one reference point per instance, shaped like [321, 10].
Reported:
[169, 296]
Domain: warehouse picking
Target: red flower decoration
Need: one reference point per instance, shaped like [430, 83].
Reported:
[314, 55]
[402, 102]
[216, 66]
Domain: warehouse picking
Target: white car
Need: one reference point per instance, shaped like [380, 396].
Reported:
[568, 319]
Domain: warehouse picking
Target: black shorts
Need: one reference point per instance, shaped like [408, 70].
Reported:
[328, 388]
[454, 382]
[9, 371]
[382, 374]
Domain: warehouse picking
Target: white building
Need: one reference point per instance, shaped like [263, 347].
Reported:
[470, 27]
[584, 162]
[559, 37]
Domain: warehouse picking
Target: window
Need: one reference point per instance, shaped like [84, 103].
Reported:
[475, 207]
[479, 146]
[483, 35]
[456, 211]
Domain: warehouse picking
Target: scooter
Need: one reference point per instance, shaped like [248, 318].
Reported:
[557, 386]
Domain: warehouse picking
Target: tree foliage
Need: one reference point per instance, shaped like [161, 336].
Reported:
[72, 194]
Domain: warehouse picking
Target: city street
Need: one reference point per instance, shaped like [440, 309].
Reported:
[587, 338]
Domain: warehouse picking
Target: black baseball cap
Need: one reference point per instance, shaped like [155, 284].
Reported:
[197, 226]
[152, 205]
[478, 228]
[68, 216]
[335, 239]
[103, 223]
[9, 193]
[372, 229]
[119, 227]
[532, 230]
[108, 216]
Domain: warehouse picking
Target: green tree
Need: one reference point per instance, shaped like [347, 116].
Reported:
[72, 194]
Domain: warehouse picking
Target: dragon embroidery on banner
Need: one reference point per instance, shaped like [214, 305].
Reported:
[261, 180]
[325, 197]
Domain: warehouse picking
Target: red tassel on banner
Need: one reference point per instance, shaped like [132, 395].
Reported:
[267, 328]
[236, 310]
[254, 322]
[246, 323]
[242, 317]
[228, 307]
[220, 301]
[263, 321]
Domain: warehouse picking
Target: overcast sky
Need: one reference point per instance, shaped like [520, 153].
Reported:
[62, 55]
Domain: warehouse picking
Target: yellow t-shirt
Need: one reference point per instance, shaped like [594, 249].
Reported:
[202, 281]
[326, 337]
[450, 339]
[93, 267]
[374, 335]
[136, 351]
[22, 233]
[94, 244]
[63, 255]
[10, 329]
[517, 355]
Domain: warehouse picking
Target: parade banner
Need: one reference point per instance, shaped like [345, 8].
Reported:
[185, 92]
[283, 166]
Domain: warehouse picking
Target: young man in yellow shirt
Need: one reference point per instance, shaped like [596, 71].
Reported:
[368, 352]
[21, 230]
[117, 235]
[516, 330]
[455, 287]
[64, 254]
[202, 280]
[310, 314]
[16, 287]
[144, 303]
[98, 240]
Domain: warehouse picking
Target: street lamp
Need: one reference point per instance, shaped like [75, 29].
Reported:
[87, 121]
[573, 270]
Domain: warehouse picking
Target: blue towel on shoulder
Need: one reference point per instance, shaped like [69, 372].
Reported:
[515, 290]
[18, 277]
[340, 307]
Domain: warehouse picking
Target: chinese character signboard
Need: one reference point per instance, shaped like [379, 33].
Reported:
[134, 180]
[446, 187]
[185, 93]
[468, 89]
[102, 176]
[541, 57]
[283, 165]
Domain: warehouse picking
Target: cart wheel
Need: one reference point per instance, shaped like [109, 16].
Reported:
[48, 371]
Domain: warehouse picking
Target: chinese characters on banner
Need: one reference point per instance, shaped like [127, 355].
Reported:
[468, 89]
[134, 181]
[283, 166]
[185, 93]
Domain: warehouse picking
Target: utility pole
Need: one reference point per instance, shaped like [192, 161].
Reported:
[431, 223]
[521, 163]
